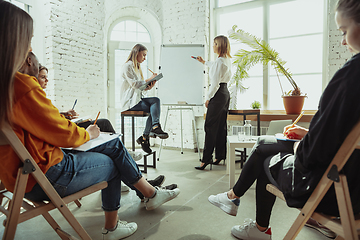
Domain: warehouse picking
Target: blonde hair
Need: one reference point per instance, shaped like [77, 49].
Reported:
[223, 46]
[16, 31]
[349, 9]
[133, 57]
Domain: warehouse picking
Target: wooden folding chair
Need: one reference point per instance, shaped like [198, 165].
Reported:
[13, 211]
[347, 227]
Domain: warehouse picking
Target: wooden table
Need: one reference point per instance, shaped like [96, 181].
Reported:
[232, 143]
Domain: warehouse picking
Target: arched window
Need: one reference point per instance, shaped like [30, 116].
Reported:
[130, 31]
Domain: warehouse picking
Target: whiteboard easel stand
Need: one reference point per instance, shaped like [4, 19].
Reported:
[181, 107]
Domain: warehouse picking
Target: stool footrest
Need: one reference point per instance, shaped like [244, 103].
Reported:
[145, 165]
[134, 114]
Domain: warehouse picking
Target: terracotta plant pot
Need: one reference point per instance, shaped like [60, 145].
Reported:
[293, 104]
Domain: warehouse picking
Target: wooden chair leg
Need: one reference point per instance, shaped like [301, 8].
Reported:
[2, 187]
[70, 218]
[48, 218]
[54, 225]
[15, 205]
[77, 202]
[345, 209]
[65, 235]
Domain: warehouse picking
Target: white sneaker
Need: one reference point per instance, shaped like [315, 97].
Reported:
[250, 231]
[123, 230]
[161, 197]
[124, 188]
[222, 201]
[136, 155]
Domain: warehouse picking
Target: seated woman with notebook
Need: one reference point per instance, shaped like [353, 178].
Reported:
[132, 81]
[103, 123]
[297, 167]
[43, 131]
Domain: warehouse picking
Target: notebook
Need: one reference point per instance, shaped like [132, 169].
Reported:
[156, 78]
[103, 138]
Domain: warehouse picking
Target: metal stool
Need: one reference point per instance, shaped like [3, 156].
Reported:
[134, 114]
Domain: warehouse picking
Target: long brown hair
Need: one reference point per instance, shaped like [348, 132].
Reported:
[349, 9]
[133, 57]
[223, 46]
[16, 30]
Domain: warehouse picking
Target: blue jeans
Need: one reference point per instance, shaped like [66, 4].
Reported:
[150, 105]
[78, 170]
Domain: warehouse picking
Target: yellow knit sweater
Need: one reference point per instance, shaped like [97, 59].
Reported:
[40, 127]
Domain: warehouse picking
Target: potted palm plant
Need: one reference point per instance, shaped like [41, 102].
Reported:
[262, 53]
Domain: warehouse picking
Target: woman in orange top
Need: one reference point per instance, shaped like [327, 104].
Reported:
[23, 101]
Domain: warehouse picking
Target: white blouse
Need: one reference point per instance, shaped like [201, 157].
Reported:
[220, 72]
[130, 94]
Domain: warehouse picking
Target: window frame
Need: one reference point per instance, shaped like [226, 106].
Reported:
[113, 45]
[214, 31]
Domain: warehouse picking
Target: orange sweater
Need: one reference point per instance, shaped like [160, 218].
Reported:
[40, 127]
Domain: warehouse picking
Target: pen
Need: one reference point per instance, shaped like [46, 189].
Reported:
[194, 57]
[97, 118]
[151, 71]
[74, 104]
[297, 119]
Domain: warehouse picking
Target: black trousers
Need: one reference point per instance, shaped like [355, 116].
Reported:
[216, 126]
[254, 170]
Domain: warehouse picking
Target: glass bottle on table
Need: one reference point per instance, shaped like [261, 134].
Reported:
[248, 130]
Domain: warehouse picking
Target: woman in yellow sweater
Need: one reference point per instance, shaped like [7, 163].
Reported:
[23, 101]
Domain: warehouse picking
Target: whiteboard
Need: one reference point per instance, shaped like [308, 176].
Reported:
[183, 76]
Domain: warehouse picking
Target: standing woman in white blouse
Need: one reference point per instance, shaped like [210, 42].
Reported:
[131, 96]
[217, 103]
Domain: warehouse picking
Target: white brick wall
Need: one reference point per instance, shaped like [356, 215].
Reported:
[74, 54]
[185, 21]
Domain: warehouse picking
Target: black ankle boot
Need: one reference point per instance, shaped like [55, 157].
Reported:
[156, 131]
[145, 144]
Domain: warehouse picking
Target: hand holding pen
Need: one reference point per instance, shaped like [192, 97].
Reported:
[96, 118]
[295, 132]
[154, 74]
[93, 129]
[151, 85]
[71, 114]
[200, 59]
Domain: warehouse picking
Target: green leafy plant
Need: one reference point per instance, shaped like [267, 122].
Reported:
[261, 53]
[255, 105]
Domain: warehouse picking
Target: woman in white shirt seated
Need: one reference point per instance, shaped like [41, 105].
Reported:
[217, 103]
[131, 96]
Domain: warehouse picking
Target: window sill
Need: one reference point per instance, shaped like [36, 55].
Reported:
[269, 115]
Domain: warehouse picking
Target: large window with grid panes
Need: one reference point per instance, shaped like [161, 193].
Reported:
[295, 29]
